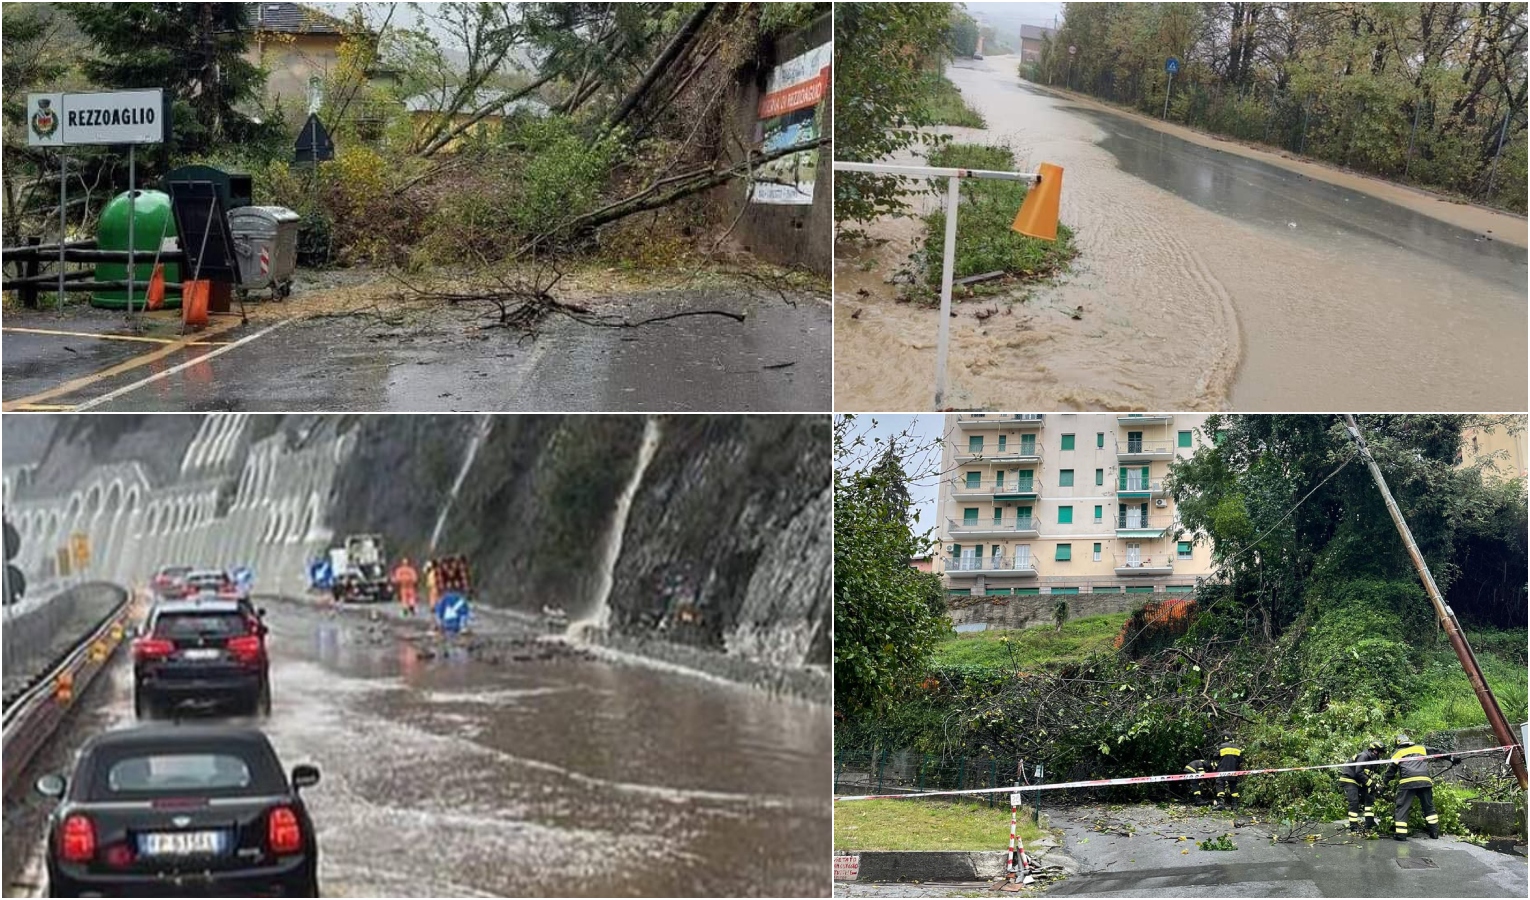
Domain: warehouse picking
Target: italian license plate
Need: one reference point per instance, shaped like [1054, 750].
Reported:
[201, 653]
[181, 843]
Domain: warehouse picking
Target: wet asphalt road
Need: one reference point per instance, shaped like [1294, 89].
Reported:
[445, 775]
[775, 360]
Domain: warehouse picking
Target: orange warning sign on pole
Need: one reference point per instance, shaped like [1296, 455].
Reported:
[1038, 214]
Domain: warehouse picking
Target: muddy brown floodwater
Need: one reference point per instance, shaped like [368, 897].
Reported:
[1206, 279]
[456, 775]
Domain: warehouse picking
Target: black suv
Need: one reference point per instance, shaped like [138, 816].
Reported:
[201, 652]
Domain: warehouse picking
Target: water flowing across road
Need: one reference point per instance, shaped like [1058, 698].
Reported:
[1206, 279]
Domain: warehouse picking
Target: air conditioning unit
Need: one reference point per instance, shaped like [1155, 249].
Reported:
[1160, 503]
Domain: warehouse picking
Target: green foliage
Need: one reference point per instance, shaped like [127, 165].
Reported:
[964, 32]
[1384, 88]
[945, 105]
[1221, 842]
[1029, 649]
[887, 615]
[984, 239]
[883, 54]
[564, 172]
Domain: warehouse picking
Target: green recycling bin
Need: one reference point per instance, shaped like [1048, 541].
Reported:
[153, 224]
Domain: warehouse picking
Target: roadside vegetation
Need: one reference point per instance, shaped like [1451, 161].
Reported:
[1313, 635]
[513, 139]
[984, 240]
[947, 106]
[1432, 94]
[926, 825]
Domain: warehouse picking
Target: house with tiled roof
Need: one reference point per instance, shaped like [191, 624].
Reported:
[298, 46]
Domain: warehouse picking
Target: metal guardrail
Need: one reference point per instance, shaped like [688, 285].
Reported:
[30, 719]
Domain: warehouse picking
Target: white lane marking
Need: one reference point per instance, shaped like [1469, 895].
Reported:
[127, 389]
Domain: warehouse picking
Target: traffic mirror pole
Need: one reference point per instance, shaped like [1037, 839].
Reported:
[1446, 616]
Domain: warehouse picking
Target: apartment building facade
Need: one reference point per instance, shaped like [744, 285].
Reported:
[1034, 505]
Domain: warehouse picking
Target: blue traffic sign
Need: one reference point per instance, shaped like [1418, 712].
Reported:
[452, 613]
[1172, 66]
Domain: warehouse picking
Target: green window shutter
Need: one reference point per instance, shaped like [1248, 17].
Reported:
[975, 444]
[998, 514]
[997, 592]
[998, 480]
[1024, 592]
[1028, 444]
[1184, 438]
[1065, 478]
[1065, 590]
[1099, 513]
[969, 515]
[956, 550]
[974, 479]
[1003, 439]
[1099, 476]
[1067, 442]
[1145, 480]
[1097, 546]
[1105, 589]
[1177, 589]
[1064, 552]
[1099, 438]
[1024, 479]
[1122, 478]
[1139, 589]
[1065, 515]
[1184, 548]
[959, 592]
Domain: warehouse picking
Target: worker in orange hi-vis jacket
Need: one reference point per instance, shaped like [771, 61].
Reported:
[406, 579]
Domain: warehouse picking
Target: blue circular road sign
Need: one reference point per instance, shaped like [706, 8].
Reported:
[1172, 66]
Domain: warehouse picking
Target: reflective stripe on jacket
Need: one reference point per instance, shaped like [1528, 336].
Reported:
[1230, 758]
[1412, 769]
[1196, 766]
[1360, 775]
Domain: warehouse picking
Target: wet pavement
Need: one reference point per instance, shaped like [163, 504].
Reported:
[528, 770]
[777, 359]
[1206, 279]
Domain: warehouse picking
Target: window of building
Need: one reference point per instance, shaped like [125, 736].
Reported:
[997, 592]
[1139, 589]
[975, 443]
[1099, 476]
[1065, 590]
[1105, 589]
[974, 480]
[1025, 592]
[1099, 514]
[1065, 515]
[1186, 551]
[1067, 442]
[1099, 438]
[956, 549]
[1219, 437]
[1064, 552]
[969, 515]
[1065, 478]
[1097, 552]
[1177, 589]
[1004, 439]
[1184, 438]
[959, 592]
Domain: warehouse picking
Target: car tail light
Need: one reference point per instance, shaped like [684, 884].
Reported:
[152, 648]
[245, 648]
[77, 839]
[284, 834]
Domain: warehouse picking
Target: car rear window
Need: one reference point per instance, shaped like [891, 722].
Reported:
[175, 572]
[190, 625]
[235, 768]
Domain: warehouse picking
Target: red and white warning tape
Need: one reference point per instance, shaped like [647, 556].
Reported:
[1152, 779]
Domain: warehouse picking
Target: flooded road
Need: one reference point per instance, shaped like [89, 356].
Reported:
[526, 773]
[1206, 280]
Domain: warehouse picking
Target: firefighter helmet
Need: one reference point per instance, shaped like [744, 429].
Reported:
[1402, 739]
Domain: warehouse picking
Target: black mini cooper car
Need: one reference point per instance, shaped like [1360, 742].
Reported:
[166, 810]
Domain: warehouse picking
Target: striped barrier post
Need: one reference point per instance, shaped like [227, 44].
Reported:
[1017, 867]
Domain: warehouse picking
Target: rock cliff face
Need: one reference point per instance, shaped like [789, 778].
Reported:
[726, 543]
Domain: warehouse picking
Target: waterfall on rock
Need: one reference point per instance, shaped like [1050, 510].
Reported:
[599, 615]
[485, 423]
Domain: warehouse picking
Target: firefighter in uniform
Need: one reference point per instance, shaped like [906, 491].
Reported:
[1198, 787]
[1412, 773]
[1355, 782]
[1229, 759]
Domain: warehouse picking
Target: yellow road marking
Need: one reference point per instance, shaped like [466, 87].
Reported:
[110, 337]
[84, 381]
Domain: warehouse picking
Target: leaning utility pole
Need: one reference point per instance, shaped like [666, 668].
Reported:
[1446, 617]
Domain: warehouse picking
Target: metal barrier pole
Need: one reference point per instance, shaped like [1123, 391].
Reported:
[948, 262]
[63, 224]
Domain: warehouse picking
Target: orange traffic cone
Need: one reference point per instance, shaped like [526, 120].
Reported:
[1038, 214]
[194, 296]
[156, 293]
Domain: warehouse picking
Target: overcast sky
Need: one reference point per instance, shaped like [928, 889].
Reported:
[924, 428]
[1008, 17]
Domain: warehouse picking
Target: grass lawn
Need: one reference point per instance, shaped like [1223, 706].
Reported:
[1030, 649]
[1445, 697]
[984, 241]
[945, 105]
[925, 825]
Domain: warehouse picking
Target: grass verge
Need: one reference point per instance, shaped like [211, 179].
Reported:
[984, 241]
[925, 825]
[946, 106]
[1031, 649]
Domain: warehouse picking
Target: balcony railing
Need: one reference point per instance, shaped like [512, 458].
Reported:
[1021, 524]
[1134, 520]
[1159, 564]
[1130, 419]
[993, 486]
[1126, 447]
[1136, 484]
[1020, 565]
[1012, 454]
